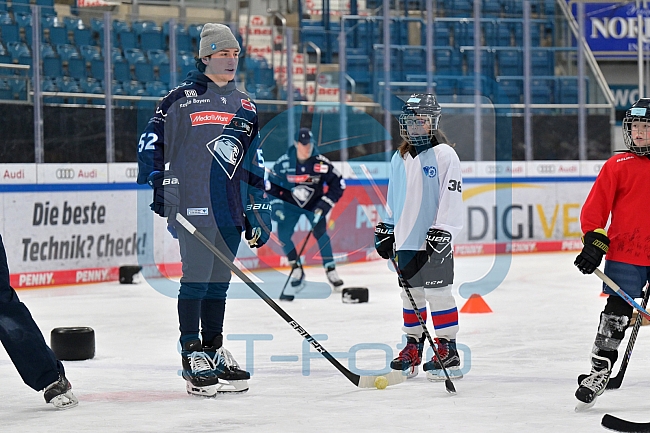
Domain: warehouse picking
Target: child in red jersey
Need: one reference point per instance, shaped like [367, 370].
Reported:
[621, 192]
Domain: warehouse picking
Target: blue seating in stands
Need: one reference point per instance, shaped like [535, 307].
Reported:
[156, 88]
[445, 85]
[48, 21]
[47, 50]
[97, 68]
[82, 36]
[67, 51]
[52, 67]
[463, 33]
[5, 58]
[144, 72]
[5, 89]
[534, 34]
[567, 90]
[541, 61]
[395, 63]
[163, 73]
[447, 61]
[156, 57]
[119, 26]
[49, 85]
[141, 26]
[9, 33]
[183, 41]
[357, 68]
[487, 62]
[441, 33]
[72, 23]
[91, 85]
[58, 35]
[68, 85]
[503, 35]
[47, 7]
[23, 19]
[77, 68]
[3, 6]
[134, 55]
[5, 18]
[25, 60]
[510, 62]
[16, 49]
[134, 88]
[510, 88]
[116, 55]
[414, 59]
[151, 39]
[21, 7]
[461, 8]
[194, 30]
[466, 86]
[122, 71]
[18, 88]
[541, 91]
[89, 52]
[491, 8]
[127, 39]
[186, 64]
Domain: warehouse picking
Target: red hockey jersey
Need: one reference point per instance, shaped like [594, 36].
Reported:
[622, 189]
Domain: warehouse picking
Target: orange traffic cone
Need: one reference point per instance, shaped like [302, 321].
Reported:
[475, 304]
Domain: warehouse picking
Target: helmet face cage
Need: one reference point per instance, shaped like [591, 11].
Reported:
[419, 109]
[637, 124]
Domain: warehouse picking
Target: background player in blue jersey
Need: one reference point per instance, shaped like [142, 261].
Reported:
[23, 341]
[201, 154]
[304, 182]
[425, 210]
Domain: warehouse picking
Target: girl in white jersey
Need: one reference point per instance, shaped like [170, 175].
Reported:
[425, 210]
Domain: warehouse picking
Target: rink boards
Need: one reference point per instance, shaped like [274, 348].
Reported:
[78, 223]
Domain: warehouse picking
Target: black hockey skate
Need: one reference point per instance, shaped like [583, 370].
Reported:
[449, 359]
[60, 394]
[198, 370]
[333, 277]
[231, 377]
[595, 383]
[410, 357]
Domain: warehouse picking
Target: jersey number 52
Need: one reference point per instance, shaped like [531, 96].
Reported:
[146, 141]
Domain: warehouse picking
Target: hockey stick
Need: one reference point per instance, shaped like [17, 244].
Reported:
[394, 377]
[617, 424]
[448, 383]
[621, 293]
[291, 297]
[615, 382]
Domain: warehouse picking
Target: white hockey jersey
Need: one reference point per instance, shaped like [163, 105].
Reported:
[424, 192]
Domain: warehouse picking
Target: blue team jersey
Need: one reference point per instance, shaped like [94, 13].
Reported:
[208, 135]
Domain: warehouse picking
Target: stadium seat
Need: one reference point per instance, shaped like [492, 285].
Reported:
[134, 55]
[541, 91]
[5, 17]
[510, 88]
[77, 68]
[151, 39]
[127, 39]
[52, 67]
[5, 89]
[140, 26]
[510, 62]
[414, 59]
[67, 51]
[487, 62]
[21, 7]
[503, 35]
[97, 68]
[9, 33]
[58, 36]
[72, 23]
[156, 88]
[23, 19]
[5, 58]
[156, 57]
[89, 52]
[18, 88]
[446, 61]
[121, 71]
[82, 36]
[17, 49]
[119, 26]
[163, 74]
[134, 88]
[144, 72]
[445, 85]
[541, 63]
[47, 50]
[91, 85]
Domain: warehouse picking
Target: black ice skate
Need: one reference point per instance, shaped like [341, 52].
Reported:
[60, 394]
[450, 360]
[298, 274]
[333, 277]
[595, 383]
[410, 357]
[231, 377]
[198, 370]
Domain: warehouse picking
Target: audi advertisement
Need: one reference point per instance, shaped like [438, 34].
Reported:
[78, 223]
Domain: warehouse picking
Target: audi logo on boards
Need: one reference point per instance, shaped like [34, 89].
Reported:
[131, 172]
[491, 169]
[546, 168]
[64, 173]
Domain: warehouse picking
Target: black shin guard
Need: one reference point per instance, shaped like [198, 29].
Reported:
[611, 330]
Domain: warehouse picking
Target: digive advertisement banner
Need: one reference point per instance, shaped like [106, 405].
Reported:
[78, 223]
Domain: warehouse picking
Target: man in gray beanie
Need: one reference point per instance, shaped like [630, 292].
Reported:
[201, 153]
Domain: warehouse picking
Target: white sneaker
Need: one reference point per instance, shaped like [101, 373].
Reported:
[333, 277]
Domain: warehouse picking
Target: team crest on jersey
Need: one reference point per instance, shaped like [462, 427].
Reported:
[301, 194]
[190, 93]
[224, 100]
[248, 105]
[228, 151]
[430, 171]
[321, 168]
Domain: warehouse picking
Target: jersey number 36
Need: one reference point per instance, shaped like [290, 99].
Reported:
[454, 185]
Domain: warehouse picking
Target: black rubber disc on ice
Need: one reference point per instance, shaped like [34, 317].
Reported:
[127, 273]
[355, 295]
[73, 344]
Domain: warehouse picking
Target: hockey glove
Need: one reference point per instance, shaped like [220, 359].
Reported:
[385, 240]
[596, 244]
[258, 224]
[166, 193]
[320, 211]
[277, 207]
[438, 244]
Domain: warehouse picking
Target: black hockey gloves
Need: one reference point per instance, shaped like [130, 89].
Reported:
[596, 244]
[385, 240]
[166, 194]
[258, 224]
[438, 244]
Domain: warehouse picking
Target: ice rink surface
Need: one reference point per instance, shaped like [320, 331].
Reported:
[524, 358]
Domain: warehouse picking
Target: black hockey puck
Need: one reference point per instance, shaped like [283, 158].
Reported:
[355, 295]
[73, 344]
[127, 273]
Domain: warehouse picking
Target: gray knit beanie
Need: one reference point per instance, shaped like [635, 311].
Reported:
[216, 37]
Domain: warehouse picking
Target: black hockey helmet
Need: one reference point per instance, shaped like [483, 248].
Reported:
[418, 109]
[639, 113]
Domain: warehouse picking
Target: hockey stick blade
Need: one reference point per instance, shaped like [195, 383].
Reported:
[615, 382]
[617, 424]
[621, 293]
[367, 382]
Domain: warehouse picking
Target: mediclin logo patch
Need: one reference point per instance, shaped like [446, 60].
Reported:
[210, 118]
